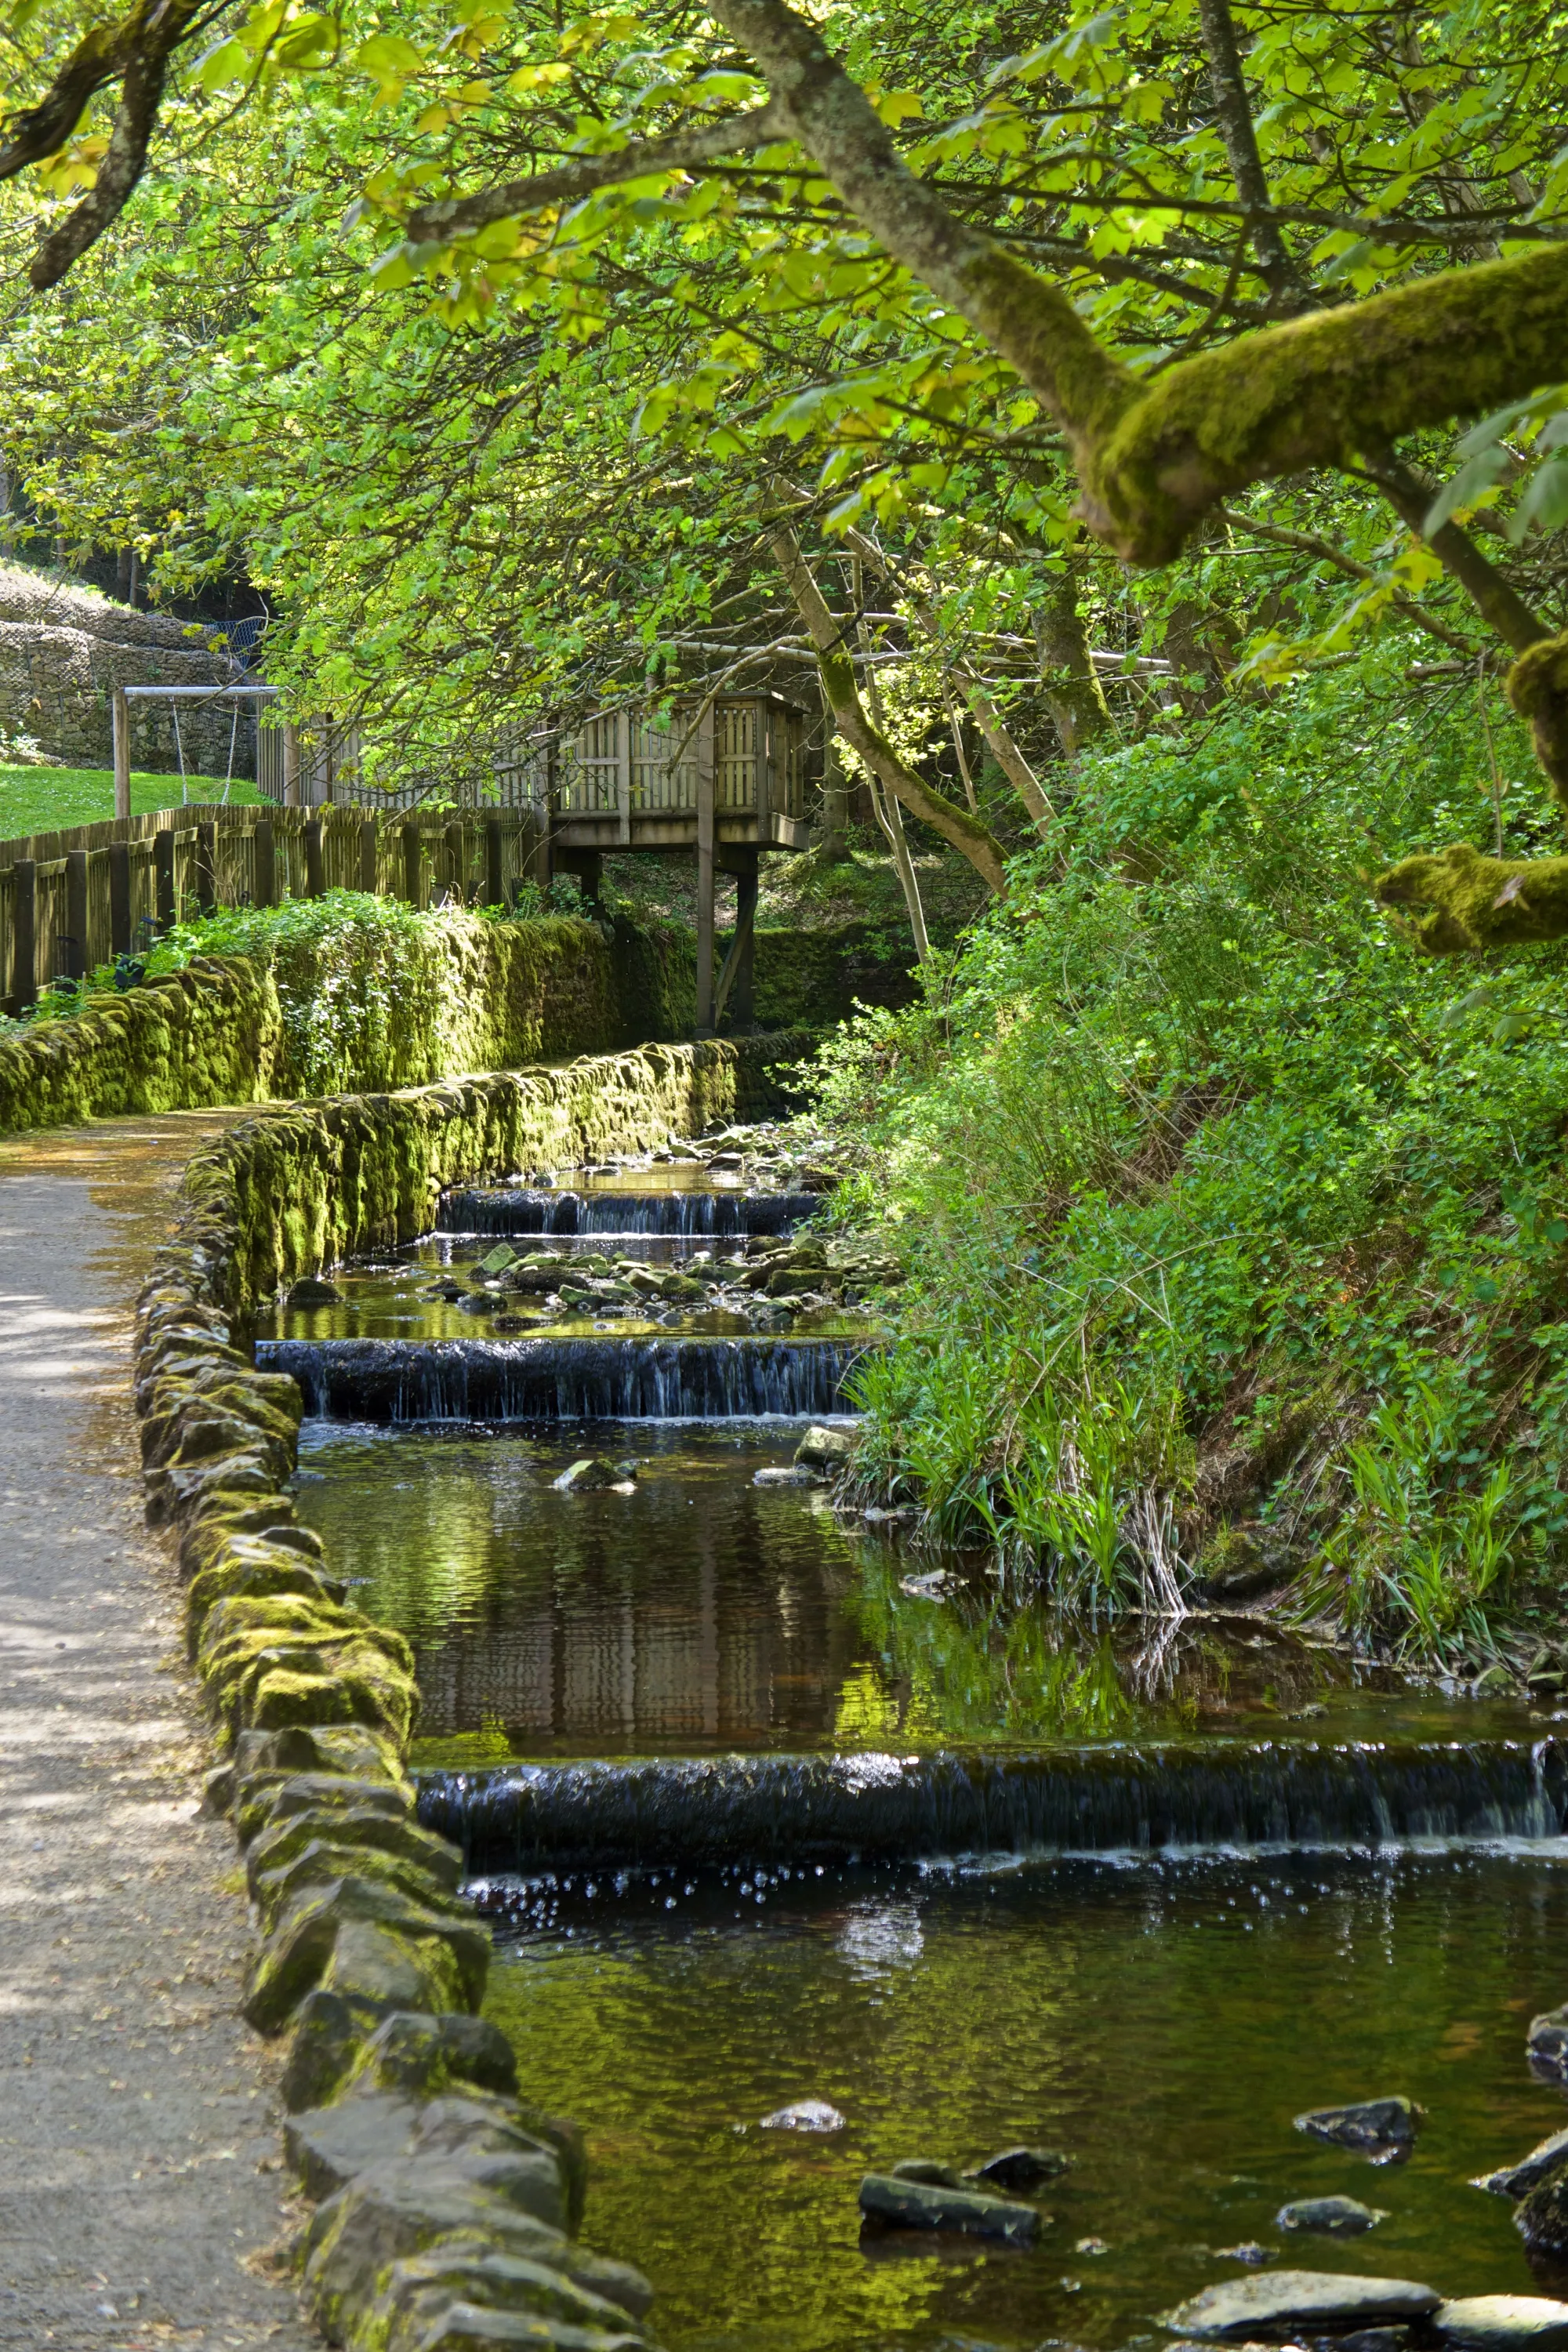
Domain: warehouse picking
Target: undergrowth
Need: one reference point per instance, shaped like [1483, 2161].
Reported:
[1238, 1230]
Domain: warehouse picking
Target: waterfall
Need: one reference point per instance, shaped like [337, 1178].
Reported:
[1225, 1795]
[698, 1216]
[588, 1378]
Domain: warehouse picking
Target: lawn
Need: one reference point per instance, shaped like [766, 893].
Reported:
[44, 799]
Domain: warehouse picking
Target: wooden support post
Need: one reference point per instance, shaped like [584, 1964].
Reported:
[413, 862]
[25, 934]
[315, 863]
[207, 867]
[265, 842]
[121, 711]
[120, 938]
[495, 864]
[742, 993]
[705, 875]
[456, 840]
[164, 870]
[765, 721]
[290, 767]
[623, 725]
[367, 865]
[74, 945]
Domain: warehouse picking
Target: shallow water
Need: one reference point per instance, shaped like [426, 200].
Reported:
[704, 1613]
[1162, 2024]
[390, 1299]
[693, 1656]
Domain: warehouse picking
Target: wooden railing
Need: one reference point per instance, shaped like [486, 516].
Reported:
[70, 901]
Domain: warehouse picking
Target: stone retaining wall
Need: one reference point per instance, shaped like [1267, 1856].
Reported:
[474, 995]
[446, 2206]
[64, 648]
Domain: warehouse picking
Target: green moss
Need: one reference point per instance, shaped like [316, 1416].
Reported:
[1317, 390]
[1480, 902]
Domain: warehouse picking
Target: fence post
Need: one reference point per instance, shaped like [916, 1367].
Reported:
[290, 767]
[120, 711]
[367, 854]
[120, 897]
[163, 869]
[24, 933]
[455, 836]
[266, 891]
[495, 864]
[315, 864]
[76, 913]
[413, 845]
[207, 867]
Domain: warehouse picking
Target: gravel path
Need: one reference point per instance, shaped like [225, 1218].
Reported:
[140, 2181]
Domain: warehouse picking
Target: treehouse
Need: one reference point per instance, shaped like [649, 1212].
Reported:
[726, 777]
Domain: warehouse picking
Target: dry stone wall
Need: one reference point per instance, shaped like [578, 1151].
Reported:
[472, 994]
[63, 650]
[447, 2206]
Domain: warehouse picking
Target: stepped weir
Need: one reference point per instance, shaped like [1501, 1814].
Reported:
[550, 1378]
[696, 1216]
[1225, 1796]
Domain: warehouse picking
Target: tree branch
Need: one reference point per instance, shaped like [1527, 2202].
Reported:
[1499, 606]
[1307, 543]
[684, 151]
[971, 839]
[1240, 135]
[998, 735]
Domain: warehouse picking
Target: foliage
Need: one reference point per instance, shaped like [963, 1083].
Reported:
[1225, 1211]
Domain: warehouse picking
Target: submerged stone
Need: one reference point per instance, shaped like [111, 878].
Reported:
[795, 1476]
[805, 2115]
[589, 1476]
[1297, 2299]
[313, 1290]
[1500, 2323]
[1377, 2126]
[1541, 2215]
[1023, 2168]
[1330, 2217]
[927, 2169]
[1517, 2179]
[890, 2204]
[1547, 2037]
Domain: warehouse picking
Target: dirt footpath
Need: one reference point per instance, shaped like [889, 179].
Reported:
[140, 2184]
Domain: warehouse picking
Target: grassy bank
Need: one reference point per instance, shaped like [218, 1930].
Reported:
[1239, 1229]
[47, 800]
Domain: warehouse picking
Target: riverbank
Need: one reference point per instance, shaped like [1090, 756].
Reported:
[138, 2139]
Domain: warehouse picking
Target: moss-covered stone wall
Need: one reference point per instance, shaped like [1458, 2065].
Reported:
[446, 2207]
[460, 994]
[211, 1034]
[296, 1190]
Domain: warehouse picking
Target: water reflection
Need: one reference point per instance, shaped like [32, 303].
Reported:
[705, 1613]
[1162, 2024]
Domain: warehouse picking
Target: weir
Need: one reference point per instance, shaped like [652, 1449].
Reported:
[696, 1215]
[548, 1379]
[1231, 1797]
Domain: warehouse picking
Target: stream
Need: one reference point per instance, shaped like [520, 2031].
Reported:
[762, 1814]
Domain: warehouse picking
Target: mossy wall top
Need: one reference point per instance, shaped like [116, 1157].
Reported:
[347, 1004]
[300, 1187]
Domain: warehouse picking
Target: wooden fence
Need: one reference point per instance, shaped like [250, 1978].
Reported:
[70, 901]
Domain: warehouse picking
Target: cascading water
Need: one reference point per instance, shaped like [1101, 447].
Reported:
[1235, 1797]
[689, 1214]
[551, 1379]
